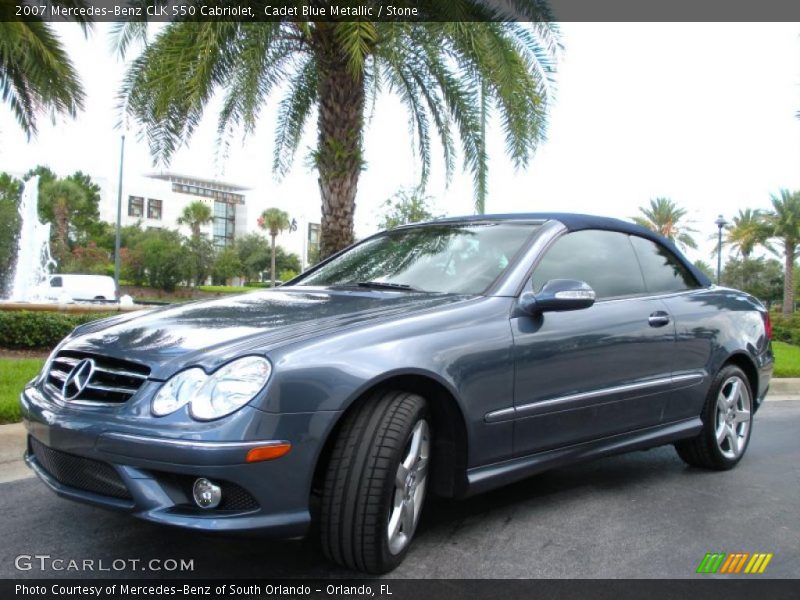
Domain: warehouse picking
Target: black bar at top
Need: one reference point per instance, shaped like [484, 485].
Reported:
[403, 10]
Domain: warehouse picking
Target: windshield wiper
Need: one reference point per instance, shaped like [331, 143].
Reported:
[386, 285]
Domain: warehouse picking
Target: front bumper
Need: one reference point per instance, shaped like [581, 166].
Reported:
[85, 457]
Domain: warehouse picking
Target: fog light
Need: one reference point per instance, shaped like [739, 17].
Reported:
[206, 494]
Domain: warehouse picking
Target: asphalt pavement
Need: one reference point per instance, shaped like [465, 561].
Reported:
[638, 515]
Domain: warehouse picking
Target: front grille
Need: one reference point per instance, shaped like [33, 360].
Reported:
[81, 377]
[79, 472]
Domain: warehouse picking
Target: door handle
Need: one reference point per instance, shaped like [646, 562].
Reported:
[658, 319]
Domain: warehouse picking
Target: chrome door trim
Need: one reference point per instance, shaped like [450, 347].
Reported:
[580, 399]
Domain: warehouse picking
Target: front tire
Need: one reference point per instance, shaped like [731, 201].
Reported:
[376, 481]
[727, 423]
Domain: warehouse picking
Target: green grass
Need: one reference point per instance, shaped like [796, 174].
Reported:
[14, 374]
[787, 359]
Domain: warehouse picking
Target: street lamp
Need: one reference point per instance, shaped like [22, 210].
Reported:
[720, 223]
[118, 236]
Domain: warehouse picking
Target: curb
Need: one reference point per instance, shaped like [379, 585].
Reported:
[12, 447]
[785, 386]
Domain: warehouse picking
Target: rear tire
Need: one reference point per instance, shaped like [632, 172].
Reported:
[376, 479]
[727, 423]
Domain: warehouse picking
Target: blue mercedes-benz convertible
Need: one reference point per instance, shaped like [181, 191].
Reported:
[443, 358]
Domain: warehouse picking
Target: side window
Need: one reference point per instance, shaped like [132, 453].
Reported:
[662, 270]
[603, 259]
[56, 282]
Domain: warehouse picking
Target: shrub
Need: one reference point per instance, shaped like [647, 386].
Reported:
[223, 289]
[786, 329]
[226, 265]
[287, 274]
[36, 329]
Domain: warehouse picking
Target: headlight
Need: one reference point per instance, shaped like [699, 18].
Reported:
[216, 395]
[178, 391]
[230, 388]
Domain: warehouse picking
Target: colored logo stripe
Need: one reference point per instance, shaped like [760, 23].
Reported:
[711, 563]
[734, 563]
[758, 564]
[719, 562]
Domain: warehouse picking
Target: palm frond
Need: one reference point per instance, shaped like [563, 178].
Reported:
[293, 112]
[36, 75]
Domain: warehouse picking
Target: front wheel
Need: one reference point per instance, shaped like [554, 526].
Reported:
[727, 423]
[376, 481]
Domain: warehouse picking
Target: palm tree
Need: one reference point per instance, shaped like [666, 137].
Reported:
[195, 215]
[62, 200]
[36, 75]
[748, 230]
[784, 225]
[275, 221]
[664, 216]
[437, 68]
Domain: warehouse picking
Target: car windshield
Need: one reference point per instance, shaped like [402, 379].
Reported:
[446, 258]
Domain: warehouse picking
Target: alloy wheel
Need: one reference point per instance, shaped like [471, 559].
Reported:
[732, 424]
[410, 482]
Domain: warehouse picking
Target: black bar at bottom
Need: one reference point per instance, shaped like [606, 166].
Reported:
[732, 588]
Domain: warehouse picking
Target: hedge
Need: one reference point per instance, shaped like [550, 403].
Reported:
[223, 289]
[786, 329]
[40, 330]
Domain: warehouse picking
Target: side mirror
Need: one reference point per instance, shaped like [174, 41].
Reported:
[558, 295]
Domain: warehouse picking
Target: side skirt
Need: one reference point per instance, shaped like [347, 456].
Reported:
[487, 477]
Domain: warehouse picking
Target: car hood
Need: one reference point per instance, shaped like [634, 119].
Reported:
[211, 332]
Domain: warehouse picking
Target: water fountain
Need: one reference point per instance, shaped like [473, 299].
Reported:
[34, 264]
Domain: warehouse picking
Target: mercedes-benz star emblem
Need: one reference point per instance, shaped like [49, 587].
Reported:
[78, 379]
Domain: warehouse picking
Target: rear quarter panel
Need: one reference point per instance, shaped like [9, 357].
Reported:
[712, 326]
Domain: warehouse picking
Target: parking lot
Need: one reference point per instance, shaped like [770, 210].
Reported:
[639, 515]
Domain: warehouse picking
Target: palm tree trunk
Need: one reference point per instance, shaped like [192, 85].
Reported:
[62, 231]
[788, 280]
[273, 236]
[338, 158]
[745, 278]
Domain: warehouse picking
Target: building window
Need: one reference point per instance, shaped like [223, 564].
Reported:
[224, 223]
[135, 206]
[313, 234]
[312, 248]
[154, 209]
[218, 195]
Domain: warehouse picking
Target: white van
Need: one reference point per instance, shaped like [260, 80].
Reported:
[80, 287]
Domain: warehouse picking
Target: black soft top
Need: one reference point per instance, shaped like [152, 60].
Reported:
[579, 222]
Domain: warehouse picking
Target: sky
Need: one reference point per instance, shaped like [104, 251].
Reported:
[701, 113]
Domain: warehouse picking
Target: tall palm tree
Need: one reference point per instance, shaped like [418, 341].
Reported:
[437, 69]
[36, 75]
[784, 226]
[748, 230]
[195, 215]
[667, 218]
[274, 221]
[62, 200]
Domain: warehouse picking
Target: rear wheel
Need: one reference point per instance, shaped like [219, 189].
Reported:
[727, 423]
[376, 481]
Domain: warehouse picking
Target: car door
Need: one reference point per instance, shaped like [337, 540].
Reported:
[696, 325]
[595, 372]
